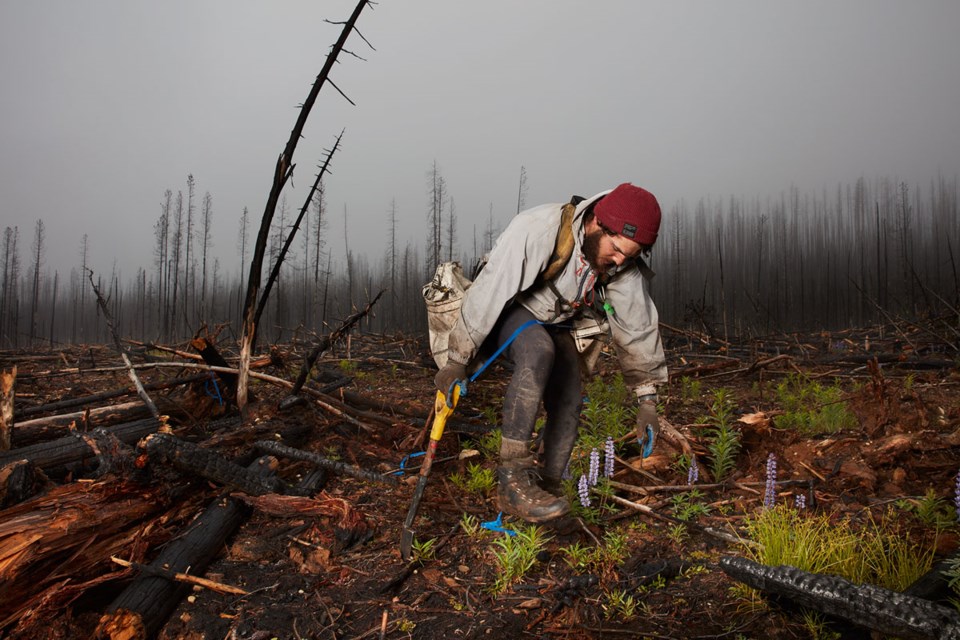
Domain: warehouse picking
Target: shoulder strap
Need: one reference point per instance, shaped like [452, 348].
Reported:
[563, 246]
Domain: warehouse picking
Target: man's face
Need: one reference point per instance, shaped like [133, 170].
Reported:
[604, 249]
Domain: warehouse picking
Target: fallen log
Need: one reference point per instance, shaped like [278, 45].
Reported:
[188, 457]
[107, 395]
[49, 427]
[144, 606]
[280, 450]
[882, 610]
[7, 379]
[71, 449]
[18, 481]
[68, 533]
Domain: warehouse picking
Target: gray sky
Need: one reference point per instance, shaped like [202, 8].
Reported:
[107, 103]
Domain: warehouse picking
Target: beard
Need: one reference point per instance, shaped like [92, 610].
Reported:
[591, 249]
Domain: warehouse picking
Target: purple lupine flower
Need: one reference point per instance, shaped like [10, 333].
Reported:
[770, 493]
[800, 501]
[583, 488]
[594, 466]
[693, 473]
[956, 496]
[608, 454]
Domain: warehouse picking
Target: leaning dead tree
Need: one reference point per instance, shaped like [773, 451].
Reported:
[123, 353]
[275, 273]
[282, 173]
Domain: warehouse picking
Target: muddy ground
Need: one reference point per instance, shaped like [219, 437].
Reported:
[341, 575]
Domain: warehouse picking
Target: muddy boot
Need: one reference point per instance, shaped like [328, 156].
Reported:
[553, 486]
[521, 496]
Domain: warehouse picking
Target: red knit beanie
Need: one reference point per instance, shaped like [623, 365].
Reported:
[630, 211]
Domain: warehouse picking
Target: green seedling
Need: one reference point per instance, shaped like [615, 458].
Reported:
[811, 408]
[425, 549]
[514, 555]
[620, 605]
[724, 439]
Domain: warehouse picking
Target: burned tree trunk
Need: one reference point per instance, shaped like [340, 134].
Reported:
[7, 379]
[71, 531]
[213, 358]
[49, 427]
[71, 448]
[142, 609]
[281, 174]
[189, 458]
[872, 607]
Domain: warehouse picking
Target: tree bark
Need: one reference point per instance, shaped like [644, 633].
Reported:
[143, 607]
[7, 379]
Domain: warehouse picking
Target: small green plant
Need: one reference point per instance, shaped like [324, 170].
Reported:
[425, 549]
[608, 412]
[877, 553]
[514, 555]
[678, 534]
[724, 439]
[687, 505]
[406, 625]
[478, 479]
[932, 511]
[488, 444]
[620, 605]
[817, 626]
[690, 388]
[658, 582]
[811, 408]
[577, 556]
[471, 526]
[491, 415]
[613, 549]
[352, 368]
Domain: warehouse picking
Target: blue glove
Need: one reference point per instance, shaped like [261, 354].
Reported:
[648, 425]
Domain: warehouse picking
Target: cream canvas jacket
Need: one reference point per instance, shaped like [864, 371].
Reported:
[521, 254]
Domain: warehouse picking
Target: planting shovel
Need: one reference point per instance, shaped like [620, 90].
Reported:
[442, 409]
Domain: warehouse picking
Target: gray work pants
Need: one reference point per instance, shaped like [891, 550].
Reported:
[546, 368]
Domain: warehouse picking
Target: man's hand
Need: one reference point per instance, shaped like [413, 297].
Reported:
[648, 425]
[448, 375]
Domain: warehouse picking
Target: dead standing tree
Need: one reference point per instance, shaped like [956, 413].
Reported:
[275, 273]
[282, 173]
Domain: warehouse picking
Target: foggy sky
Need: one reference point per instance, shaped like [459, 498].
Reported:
[106, 104]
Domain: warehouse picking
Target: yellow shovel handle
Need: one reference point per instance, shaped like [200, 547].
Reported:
[442, 411]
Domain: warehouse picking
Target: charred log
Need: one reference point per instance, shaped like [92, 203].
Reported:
[7, 379]
[865, 605]
[38, 429]
[70, 532]
[18, 481]
[72, 449]
[143, 607]
[188, 457]
[107, 395]
[277, 449]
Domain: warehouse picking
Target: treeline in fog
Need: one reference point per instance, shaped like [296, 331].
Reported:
[853, 256]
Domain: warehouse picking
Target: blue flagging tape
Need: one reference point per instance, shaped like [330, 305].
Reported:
[497, 525]
[216, 388]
